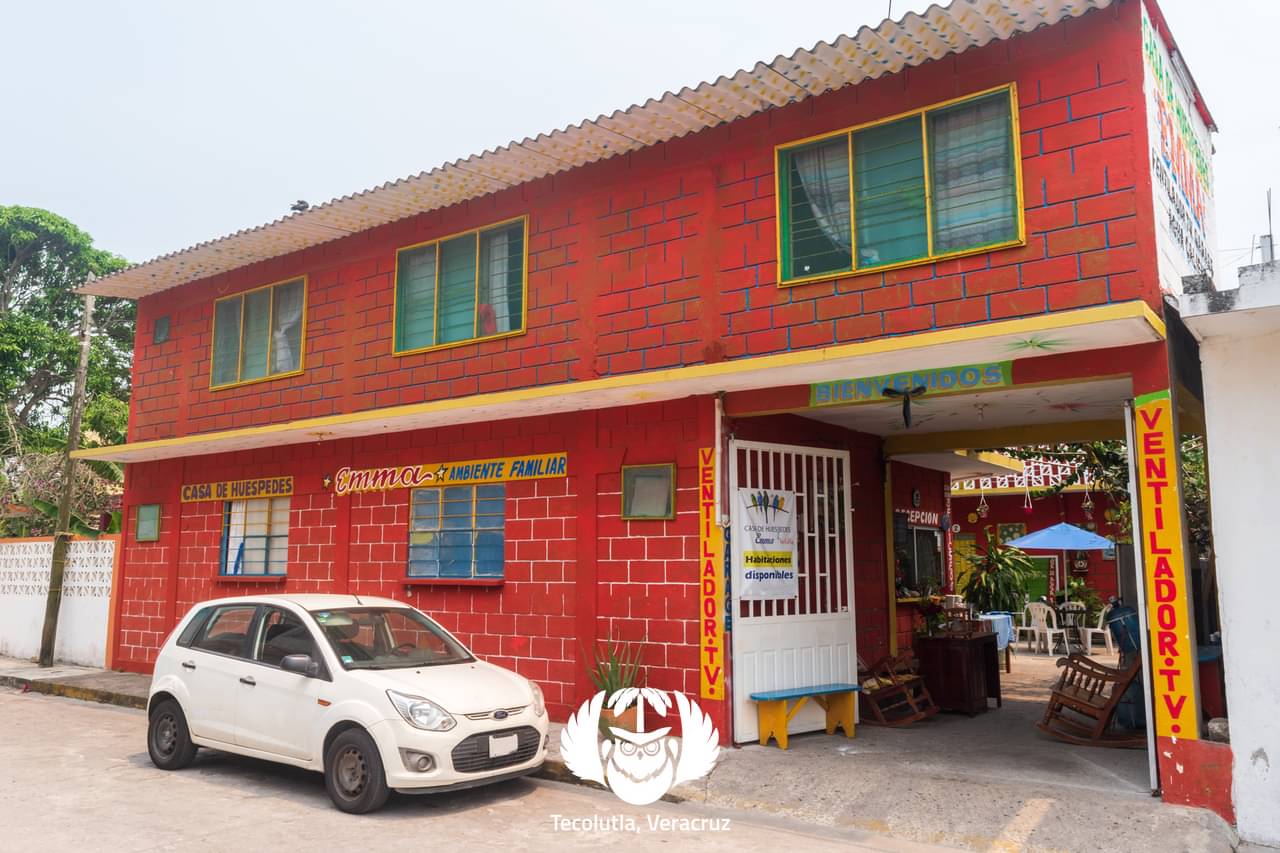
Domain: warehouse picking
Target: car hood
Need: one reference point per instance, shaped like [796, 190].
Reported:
[459, 688]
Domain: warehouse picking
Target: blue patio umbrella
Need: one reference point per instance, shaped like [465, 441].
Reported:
[1062, 537]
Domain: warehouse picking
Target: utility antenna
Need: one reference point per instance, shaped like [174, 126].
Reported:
[1268, 242]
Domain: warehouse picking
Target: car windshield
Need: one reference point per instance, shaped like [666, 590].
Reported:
[387, 638]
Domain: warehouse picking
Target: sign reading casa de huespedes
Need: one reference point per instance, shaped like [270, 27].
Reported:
[238, 490]
[473, 472]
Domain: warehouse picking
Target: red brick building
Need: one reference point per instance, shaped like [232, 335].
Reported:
[710, 282]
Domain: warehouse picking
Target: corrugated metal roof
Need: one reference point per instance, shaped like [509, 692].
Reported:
[872, 52]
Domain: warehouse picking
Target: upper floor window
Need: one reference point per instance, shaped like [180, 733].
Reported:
[258, 334]
[462, 288]
[934, 183]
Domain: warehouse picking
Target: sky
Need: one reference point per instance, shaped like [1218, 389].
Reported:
[158, 125]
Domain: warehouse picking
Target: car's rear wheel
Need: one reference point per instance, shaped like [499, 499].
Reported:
[168, 739]
[353, 773]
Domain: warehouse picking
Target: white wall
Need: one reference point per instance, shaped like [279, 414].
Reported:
[86, 597]
[1243, 413]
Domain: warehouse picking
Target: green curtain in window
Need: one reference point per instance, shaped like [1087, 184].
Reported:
[226, 343]
[972, 169]
[888, 180]
[255, 340]
[501, 307]
[457, 289]
[286, 327]
[817, 209]
[416, 298]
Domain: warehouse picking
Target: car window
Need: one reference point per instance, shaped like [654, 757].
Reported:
[188, 635]
[226, 630]
[281, 633]
[387, 638]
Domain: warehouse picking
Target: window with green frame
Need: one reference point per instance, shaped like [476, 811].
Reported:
[462, 288]
[938, 182]
[258, 334]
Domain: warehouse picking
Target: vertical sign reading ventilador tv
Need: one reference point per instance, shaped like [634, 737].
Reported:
[710, 581]
[1169, 616]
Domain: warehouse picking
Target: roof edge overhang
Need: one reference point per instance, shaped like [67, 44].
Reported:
[1118, 324]
[887, 48]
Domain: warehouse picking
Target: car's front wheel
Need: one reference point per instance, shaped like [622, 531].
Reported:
[353, 773]
[168, 739]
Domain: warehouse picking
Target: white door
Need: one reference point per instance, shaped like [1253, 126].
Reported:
[211, 668]
[807, 640]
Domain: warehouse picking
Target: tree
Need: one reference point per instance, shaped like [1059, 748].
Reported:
[1107, 464]
[43, 259]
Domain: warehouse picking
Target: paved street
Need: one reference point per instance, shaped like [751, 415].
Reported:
[75, 775]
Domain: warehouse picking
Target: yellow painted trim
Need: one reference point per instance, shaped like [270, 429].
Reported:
[931, 257]
[877, 346]
[1051, 433]
[973, 493]
[622, 497]
[302, 342]
[475, 319]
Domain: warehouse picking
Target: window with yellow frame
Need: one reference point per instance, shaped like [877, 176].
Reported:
[934, 183]
[259, 334]
[464, 287]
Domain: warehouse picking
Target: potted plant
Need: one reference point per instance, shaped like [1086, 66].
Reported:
[613, 667]
[999, 578]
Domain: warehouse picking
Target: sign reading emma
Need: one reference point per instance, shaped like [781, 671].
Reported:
[765, 545]
[238, 490]
[937, 380]
[474, 472]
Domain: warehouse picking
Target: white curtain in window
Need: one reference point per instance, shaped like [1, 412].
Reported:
[495, 270]
[974, 193]
[826, 183]
[235, 538]
[287, 332]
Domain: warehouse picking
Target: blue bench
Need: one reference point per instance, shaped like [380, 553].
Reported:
[773, 715]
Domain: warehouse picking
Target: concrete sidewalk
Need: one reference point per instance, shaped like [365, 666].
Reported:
[990, 782]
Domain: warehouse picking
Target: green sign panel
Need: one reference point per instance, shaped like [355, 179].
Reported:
[935, 381]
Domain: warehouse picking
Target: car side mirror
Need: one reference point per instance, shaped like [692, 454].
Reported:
[301, 664]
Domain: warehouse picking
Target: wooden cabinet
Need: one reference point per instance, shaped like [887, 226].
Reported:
[961, 672]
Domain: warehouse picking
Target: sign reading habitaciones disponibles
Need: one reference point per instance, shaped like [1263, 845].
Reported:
[1168, 612]
[238, 490]
[935, 380]
[765, 545]
[474, 472]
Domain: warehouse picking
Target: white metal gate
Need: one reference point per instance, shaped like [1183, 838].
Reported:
[807, 640]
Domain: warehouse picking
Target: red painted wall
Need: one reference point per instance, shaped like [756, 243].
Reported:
[1046, 512]
[932, 487]
[666, 257]
[569, 556]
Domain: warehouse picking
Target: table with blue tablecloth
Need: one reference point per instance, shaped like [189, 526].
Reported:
[1002, 625]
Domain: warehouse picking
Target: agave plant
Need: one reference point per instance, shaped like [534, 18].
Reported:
[999, 578]
[614, 666]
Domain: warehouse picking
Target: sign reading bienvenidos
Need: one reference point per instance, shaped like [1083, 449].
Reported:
[935, 381]
[475, 472]
[238, 490]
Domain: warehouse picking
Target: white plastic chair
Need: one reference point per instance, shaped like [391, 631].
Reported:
[1090, 634]
[1041, 628]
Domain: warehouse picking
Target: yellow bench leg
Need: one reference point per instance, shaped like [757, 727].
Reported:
[839, 708]
[772, 719]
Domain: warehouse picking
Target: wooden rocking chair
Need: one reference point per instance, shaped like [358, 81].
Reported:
[1084, 701]
[894, 692]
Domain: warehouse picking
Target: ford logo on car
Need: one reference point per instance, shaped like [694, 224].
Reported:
[500, 714]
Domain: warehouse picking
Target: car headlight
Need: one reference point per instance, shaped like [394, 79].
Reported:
[421, 713]
[539, 705]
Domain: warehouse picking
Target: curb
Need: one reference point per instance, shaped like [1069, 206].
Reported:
[71, 691]
[554, 770]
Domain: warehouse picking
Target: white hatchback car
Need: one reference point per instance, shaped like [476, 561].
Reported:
[369, 691]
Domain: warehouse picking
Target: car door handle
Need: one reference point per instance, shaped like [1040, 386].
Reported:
[186, 664]
[248, 679]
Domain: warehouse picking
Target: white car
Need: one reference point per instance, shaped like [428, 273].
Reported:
[369, 691]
